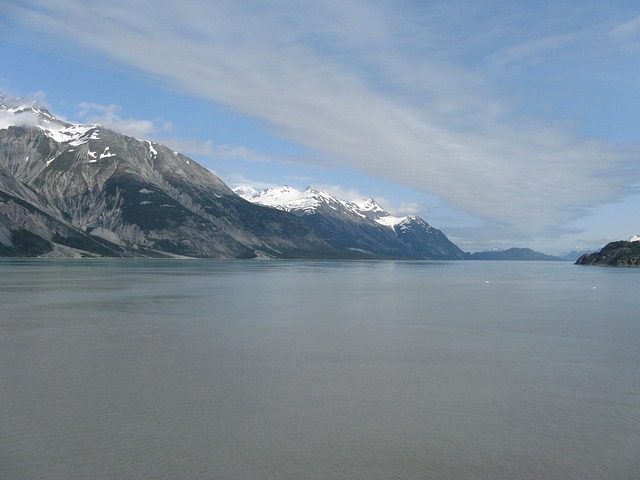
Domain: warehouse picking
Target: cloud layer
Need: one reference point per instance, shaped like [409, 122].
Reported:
[383, 87]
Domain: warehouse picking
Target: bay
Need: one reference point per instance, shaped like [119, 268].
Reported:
[147, 369]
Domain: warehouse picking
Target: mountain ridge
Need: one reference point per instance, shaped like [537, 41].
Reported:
[85, 190]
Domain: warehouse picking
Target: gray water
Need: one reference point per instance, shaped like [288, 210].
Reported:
[131, 369]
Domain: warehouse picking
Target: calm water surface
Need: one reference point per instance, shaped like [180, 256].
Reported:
[191, 369]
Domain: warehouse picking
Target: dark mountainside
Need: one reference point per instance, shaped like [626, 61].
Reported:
[614, 254]
[364, 227]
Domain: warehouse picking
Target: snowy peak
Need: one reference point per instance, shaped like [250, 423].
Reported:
[19, 112]
[312, 201]
[370, 208]
[291, 199]
[413, 224]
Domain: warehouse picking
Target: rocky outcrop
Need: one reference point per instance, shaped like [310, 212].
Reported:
[615, 254]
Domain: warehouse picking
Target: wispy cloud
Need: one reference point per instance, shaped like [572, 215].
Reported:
[209, 148]
[369, 84]
[538, 49]
[575, 43]
[627, 34]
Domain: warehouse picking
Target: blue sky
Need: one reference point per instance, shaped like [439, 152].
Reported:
[503, 123]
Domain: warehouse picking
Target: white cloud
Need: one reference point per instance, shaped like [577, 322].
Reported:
[108, 116]
[238, 180]
[370, 84]
[24, 119]
[8, 119]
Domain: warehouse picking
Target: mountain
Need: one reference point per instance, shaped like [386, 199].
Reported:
[615, 254]
[85, 190]
[363, 226]
[512, 254]
[68, 189]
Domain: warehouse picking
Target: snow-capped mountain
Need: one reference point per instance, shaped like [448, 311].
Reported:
[73, 189]
[360, 226]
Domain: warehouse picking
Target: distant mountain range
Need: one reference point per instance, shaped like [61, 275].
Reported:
[615, 254]
[84, 190]
[512, 254]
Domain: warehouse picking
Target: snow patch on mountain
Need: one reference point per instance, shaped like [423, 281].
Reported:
[390, 221]
[635, 238]
[106, 153]
[152, 151]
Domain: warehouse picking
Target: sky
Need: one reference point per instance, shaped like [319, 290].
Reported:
[502, 123]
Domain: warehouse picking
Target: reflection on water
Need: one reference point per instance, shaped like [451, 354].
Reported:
[318, 370]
